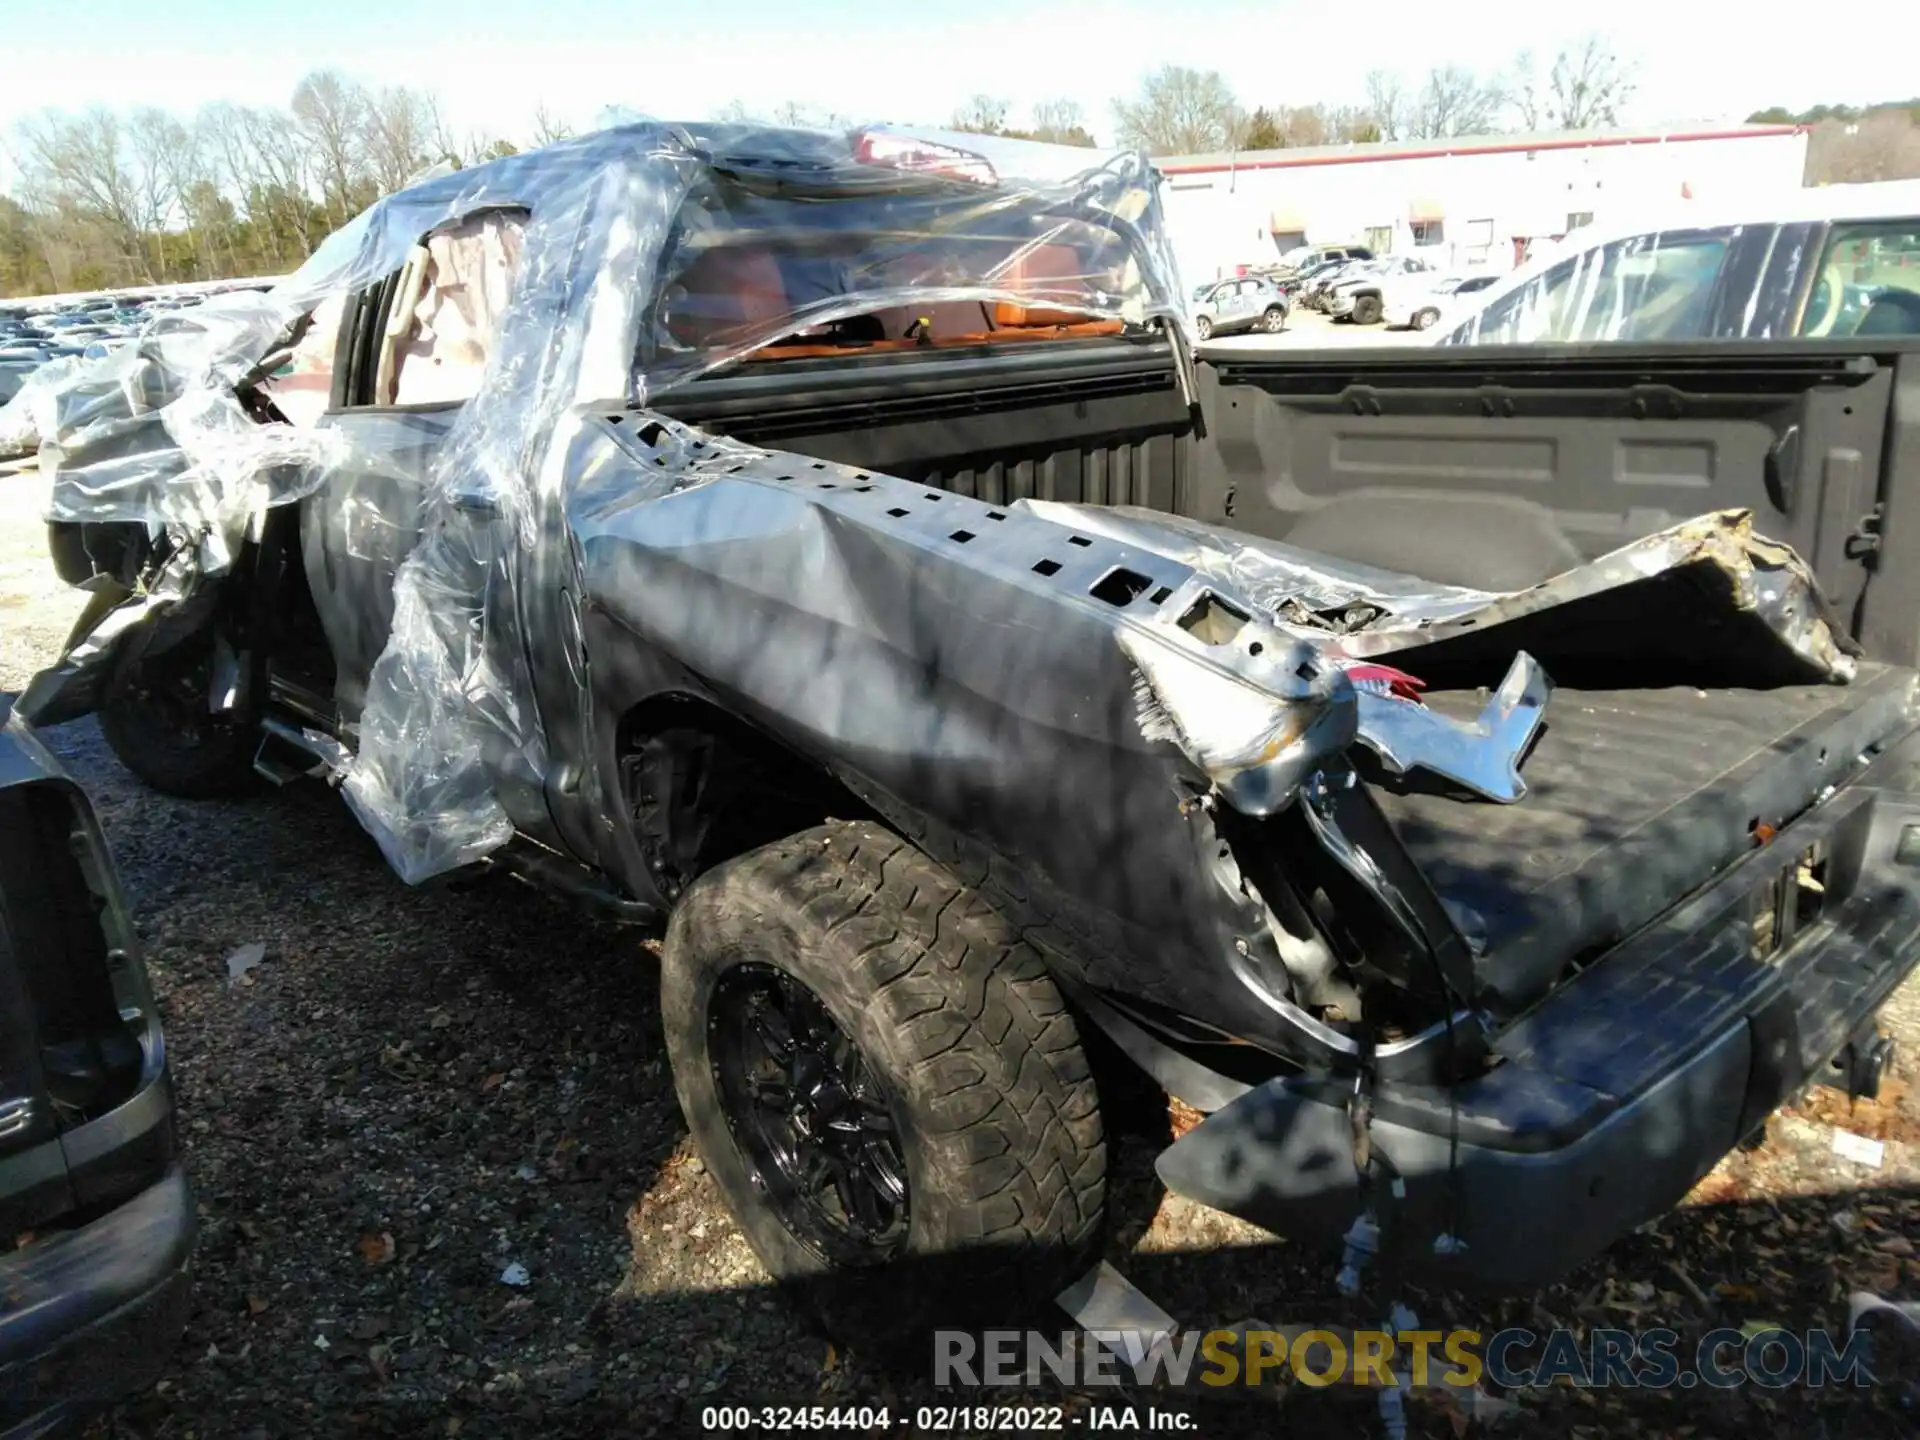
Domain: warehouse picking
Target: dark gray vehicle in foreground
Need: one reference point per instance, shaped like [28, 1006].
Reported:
[96, 1222]
[1424, 768]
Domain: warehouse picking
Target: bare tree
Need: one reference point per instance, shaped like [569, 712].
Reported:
[462, 148]
[1589, 84]
[1352, 125]
[1304, 125]
[226, 136]
[399, 136]
[281, 198]
[332, 113]
[157, 146]
[1520, 92]
[808, 117]
[983, 115]
[153, 196]
[1454, 101]
[182, 153]
[1060, 122]
[447, 146]
[1388, 104]
[547, 127]
[80, 166]
[1181, 112]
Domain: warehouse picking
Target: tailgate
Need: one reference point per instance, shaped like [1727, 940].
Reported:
[1613, 1096]
[1635, 799]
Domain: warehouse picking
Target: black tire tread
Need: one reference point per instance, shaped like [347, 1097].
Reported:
[983, 1018]
[223, 767]
[990, 1047]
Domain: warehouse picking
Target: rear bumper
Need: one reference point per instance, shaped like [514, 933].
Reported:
[93, 1314]
[1616, 1094]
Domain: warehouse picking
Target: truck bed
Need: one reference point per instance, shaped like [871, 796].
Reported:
[1635, 798]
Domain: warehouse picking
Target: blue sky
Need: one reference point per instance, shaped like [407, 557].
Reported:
[911, 60]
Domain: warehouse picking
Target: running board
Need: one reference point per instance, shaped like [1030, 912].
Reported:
[586, 889]
[286, 755]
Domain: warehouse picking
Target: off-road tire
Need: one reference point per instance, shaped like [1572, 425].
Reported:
[1367, 310]
[214, 759]
[994, 1100]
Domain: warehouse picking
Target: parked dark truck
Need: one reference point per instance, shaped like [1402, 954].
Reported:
[829, 547]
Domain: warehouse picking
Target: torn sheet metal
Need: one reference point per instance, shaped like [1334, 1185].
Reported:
[1705, 602]
[1257, 742]
[987, 706]
[1482, 756]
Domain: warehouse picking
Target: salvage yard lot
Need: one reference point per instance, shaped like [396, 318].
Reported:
[1310, 330]
[419, 1089]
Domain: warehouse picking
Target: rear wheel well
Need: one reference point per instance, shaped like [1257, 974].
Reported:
[699, 786]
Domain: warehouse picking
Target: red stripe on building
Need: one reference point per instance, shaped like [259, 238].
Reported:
[1441, 153]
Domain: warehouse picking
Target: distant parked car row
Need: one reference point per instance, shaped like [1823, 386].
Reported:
[1344, 282]
[32, 333]
[1828, 262]
[1302, 256]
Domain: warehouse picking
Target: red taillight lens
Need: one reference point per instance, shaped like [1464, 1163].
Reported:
[903, 152]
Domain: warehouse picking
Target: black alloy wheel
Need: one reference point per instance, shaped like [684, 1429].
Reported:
[814, 1125]
[886, 1085]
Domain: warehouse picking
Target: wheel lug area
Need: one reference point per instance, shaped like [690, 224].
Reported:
[800, 1096]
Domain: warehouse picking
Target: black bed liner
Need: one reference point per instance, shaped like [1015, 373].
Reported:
[1635, 798]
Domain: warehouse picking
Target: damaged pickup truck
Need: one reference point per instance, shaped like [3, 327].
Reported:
[829, 547]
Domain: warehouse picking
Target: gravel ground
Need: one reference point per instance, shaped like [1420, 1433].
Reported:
[418, 1089]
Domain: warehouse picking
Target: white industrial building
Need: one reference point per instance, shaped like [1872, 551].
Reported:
[1471, 202]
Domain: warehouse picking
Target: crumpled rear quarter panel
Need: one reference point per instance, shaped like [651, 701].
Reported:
[984, 708]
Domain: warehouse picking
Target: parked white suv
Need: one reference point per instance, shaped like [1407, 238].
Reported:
[1419, 302]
